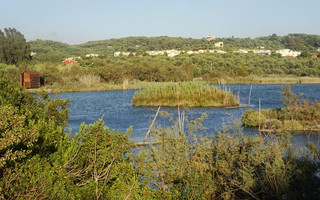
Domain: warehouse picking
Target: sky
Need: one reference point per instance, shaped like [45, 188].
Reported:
[80, 21]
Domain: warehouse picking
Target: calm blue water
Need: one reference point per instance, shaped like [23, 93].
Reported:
[117, 112]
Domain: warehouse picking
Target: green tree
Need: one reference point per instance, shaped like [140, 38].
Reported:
[13, 47]
[2, 40]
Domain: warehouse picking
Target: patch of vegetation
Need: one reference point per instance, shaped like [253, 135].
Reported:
[184, 94]
[297, 115]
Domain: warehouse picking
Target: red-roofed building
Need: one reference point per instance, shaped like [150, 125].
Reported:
[68, 62]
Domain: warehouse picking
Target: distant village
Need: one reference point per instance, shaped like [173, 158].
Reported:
[173, 52]
[218, 49]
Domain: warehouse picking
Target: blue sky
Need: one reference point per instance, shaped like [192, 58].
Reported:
[79, 21]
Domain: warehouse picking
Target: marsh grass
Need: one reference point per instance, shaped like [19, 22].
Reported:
[184, 94]
[265, 79]
[297, 115]
[276, 79]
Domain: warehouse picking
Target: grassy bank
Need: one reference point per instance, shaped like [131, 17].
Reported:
[101, 86]
[267, 79]
[185, 94]
[77, 86]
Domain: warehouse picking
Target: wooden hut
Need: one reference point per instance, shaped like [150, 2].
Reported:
[30, 79]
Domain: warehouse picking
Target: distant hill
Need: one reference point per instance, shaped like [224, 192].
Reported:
[139, 44]
[48, 46]
[299, 42]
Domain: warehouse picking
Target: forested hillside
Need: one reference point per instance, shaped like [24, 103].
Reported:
[47, 50]
[298, 42]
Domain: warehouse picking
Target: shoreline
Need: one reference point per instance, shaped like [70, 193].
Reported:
[137, 85]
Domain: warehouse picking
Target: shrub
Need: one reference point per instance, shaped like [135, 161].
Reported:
[242, 71]
[250, 118]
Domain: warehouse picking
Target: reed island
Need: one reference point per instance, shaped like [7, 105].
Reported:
[184, 94]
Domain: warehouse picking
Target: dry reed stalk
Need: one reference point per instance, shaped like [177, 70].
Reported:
[89, 80]
[125, 84]
[151, 125]
[249, 96]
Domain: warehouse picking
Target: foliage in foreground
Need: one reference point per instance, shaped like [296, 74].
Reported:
[230, 165]
[43, 162]
[298, 114]
[184, 94]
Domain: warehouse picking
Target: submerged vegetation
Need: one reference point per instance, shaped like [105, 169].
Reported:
[297, 115]
[184, 94]
[39, 160]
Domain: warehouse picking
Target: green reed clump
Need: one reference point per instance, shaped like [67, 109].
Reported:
[184, 94]
[297, 115]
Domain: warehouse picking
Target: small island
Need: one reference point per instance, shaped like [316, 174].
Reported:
[184, 94]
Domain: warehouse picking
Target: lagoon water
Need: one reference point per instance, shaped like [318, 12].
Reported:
[118, 113]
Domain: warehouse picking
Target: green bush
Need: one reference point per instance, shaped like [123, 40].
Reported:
[250, 118]
[242, 71]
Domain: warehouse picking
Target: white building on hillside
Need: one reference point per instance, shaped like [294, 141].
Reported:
[128, 53]
[117, 54]
[210, 37]
[155, 53]
[172, 53]
[262, 52]
[241, 51]
[189, 52]
[91, 55]
[218, 44]
[288, 53]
